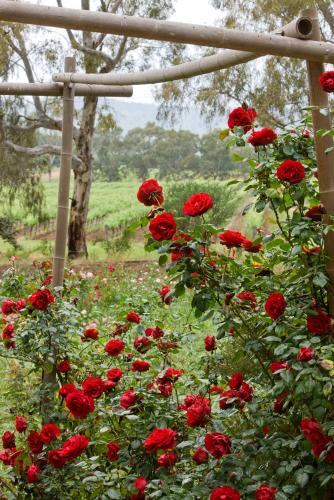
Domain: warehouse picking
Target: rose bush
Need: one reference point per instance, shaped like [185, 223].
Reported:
[213, 381]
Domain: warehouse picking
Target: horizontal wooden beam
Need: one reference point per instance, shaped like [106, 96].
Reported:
[56, 89]
[169, 31]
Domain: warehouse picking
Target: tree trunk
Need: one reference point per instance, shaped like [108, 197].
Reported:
[77, 245]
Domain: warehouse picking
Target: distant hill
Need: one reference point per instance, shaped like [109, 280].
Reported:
[130, 115]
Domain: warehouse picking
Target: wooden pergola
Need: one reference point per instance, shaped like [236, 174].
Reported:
[300, 39]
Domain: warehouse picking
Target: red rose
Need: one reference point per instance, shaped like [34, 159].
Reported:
[57, 458]
[163, 227]
[230, 398]
[232, 239]
[49, 433]
[41, 299]
[142, 344]
[252, 247]
[210, 343]
[197, 204]
[133, 317]
[140, 366]
[8, 439]
[305, 354]
[63, 366]
[262, 137]
[276, 366]
[275, 305]
[198, 414]
[265, 492]
[79, 404]
[217, 444]
[241, 117]
[165, 389]
[319, 440]
[140, 483]
[35, 442]
[225, 493]
[150, 193]
[91, 333]
[73, 447]
[327, 81]
[279, 403]
[171, 375]
[32, 473]
[8, 332]
[114, 347]
[167, 459]
[21, 303]
[8, 306]
[236, 380]
[66, 389]
[247, 296]
[319, 323]
[246, 391]
[114, 374]
[93, 387]
[128, 399]
[165, 346]
[200, 456]
[113, 451]
[315, 213]
[21, 423]
[120, 329]
[165, 290]
[291, 171]
[160, 439]
[155, 332]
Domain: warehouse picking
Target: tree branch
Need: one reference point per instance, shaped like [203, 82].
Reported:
[40, 151]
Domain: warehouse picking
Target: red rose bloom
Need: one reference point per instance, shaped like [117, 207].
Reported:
[315, 213]
[32, 473]
[262, 137]
[140, 366]
[79, 404]
[291, 171]
[305, 354]
[91, 333]
[247, 296]
[114, 347]
[128, 399]
[73, 447]
[150, 193]
[155, 332]
[236, 380]
[319, 323]
[160, 439]
[163, 292]
[198, 414]
[327, 81]
[41, 299]
[225, 493]
[21, 423]
[275, 366]
[232, 239]
[63, 366]
[8, 439]
[278, 406]
[163, 227]
[200, 456]
[35, 442]
[120, 329]
[57, 458]
[275, 305]
[167, 459]
[197, 204]
[21, 303]
[133, 317]
[252, 247]
[210, 343]
[265, 492]
[113, 451]
[217, 444]
[142, 344]
[114, 374]
[230, 398]
[49, 433]
[93, 387]
[8, 306]
[246, 391]
[140, 483]
[241, 117]
[8, 332]
[66, 389]
[171, 375]
[319, 440]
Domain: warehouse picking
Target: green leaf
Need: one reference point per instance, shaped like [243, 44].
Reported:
[302, 478]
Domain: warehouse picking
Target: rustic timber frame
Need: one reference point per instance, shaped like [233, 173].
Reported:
[300, 39]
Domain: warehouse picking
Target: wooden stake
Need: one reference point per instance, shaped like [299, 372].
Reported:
[325, 161]
[64, 179]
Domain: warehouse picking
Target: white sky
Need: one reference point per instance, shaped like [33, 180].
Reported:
[188, 11]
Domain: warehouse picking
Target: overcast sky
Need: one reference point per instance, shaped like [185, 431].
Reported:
[188, 11]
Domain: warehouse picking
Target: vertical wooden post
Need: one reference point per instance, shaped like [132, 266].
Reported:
[64, 179]
[325, 162]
